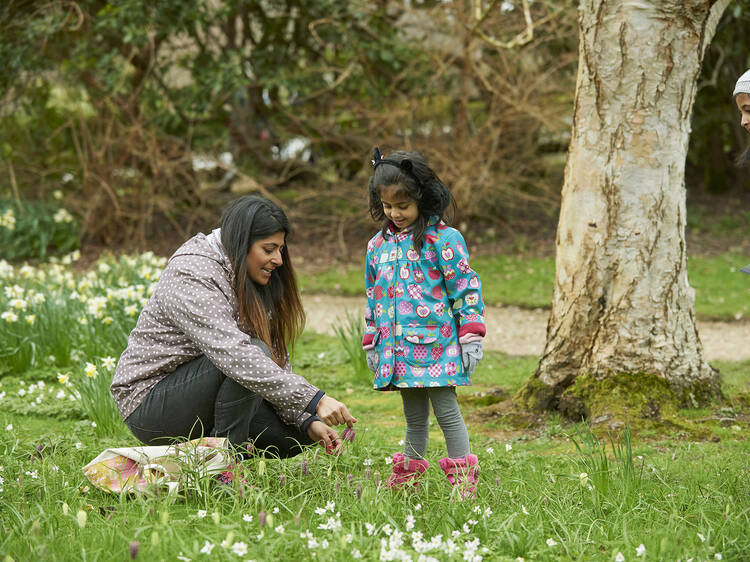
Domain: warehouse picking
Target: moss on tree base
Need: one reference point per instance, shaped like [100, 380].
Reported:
[643, 400]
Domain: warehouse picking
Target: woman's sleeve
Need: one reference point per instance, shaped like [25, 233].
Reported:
[198, 308]
[370, 330]
[462, 282]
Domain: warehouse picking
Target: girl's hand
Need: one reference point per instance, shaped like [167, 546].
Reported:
[325, 436]
[333, 412]
[471, 354]
[372, 359]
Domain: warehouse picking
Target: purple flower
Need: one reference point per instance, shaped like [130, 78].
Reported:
[358, 491]
[133, 547]
[282, 479]
[304, 466]
[262, 518]
[368, 473]
[348, 434]
[350, 479]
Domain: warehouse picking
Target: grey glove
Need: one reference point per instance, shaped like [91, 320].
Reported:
[471, 354]
[373, 360]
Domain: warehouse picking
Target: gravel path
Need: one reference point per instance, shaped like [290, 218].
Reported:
[522, 332]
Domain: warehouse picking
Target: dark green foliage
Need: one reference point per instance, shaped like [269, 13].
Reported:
[39, 229]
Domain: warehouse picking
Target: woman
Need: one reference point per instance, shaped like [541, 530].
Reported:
[742, 97]
[209, 356]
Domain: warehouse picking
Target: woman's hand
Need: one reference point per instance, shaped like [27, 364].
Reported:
[325, 436]
[333, 412]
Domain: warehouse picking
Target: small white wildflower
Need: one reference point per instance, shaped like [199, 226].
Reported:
[524, 510]
[280, 529]
[701, 537]
[207, 547]
[239, 548]
[367, 462]
[551, 542]
[619, 557]
[718, 556]
[356, 553]
[202, 513]
[330, 506]
[78, 445]
[109, 363]
[640, 550]
[410, 522]
[9, 427]
[508, 447]
[247, 518]
[9, 316]
[320, 510]
[418, 507]
[490, 450]
[388, 460]
[370, 528]
[275, 510]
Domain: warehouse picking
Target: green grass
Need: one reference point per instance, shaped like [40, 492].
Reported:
[535, 490]
[539, 498]
[722, 293]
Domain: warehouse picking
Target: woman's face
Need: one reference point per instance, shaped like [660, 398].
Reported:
[265, 256]
[743, 103]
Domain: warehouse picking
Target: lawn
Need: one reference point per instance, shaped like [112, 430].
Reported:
[549, 489]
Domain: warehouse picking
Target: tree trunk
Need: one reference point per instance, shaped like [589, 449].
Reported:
[622, 302]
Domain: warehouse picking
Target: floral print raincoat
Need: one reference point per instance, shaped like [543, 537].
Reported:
[418, 305]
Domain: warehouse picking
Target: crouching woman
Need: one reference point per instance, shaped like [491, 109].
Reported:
[209, 353]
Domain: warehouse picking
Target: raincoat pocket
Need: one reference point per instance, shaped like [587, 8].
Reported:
[421, 346]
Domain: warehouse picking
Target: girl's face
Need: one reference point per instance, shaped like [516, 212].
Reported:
[743, 103]
[400, 209]
[265, 256]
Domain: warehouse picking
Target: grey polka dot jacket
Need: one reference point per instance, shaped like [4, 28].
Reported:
[193, 311]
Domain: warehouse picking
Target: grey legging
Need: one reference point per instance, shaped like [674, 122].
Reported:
[417, 413]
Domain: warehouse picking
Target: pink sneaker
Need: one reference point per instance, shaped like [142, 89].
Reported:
[462, 473]
[406, 472]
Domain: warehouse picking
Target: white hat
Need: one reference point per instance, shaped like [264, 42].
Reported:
[743, 85]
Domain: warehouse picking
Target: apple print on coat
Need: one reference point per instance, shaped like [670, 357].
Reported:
[423, 311]
[420, 293]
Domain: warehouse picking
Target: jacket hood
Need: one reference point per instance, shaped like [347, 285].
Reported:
[206, 246]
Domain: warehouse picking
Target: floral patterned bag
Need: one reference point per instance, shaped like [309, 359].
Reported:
[158, 468]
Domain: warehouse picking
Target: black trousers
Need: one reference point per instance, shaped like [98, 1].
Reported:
[197, 399]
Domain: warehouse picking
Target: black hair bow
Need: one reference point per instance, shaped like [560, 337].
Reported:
[405, 164]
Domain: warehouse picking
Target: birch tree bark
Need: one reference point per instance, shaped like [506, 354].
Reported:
[622, 302]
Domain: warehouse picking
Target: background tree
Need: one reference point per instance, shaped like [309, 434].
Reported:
[623, 310]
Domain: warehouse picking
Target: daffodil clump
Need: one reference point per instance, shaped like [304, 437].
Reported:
[55, 317]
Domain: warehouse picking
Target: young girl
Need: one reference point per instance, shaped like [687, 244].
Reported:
[425, 315]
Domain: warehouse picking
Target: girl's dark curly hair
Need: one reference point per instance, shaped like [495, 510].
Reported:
[417, 181]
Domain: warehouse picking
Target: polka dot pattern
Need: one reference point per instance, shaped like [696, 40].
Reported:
[193, 311]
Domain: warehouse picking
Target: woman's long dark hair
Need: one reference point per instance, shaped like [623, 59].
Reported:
[272, 312]
[420, 183]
